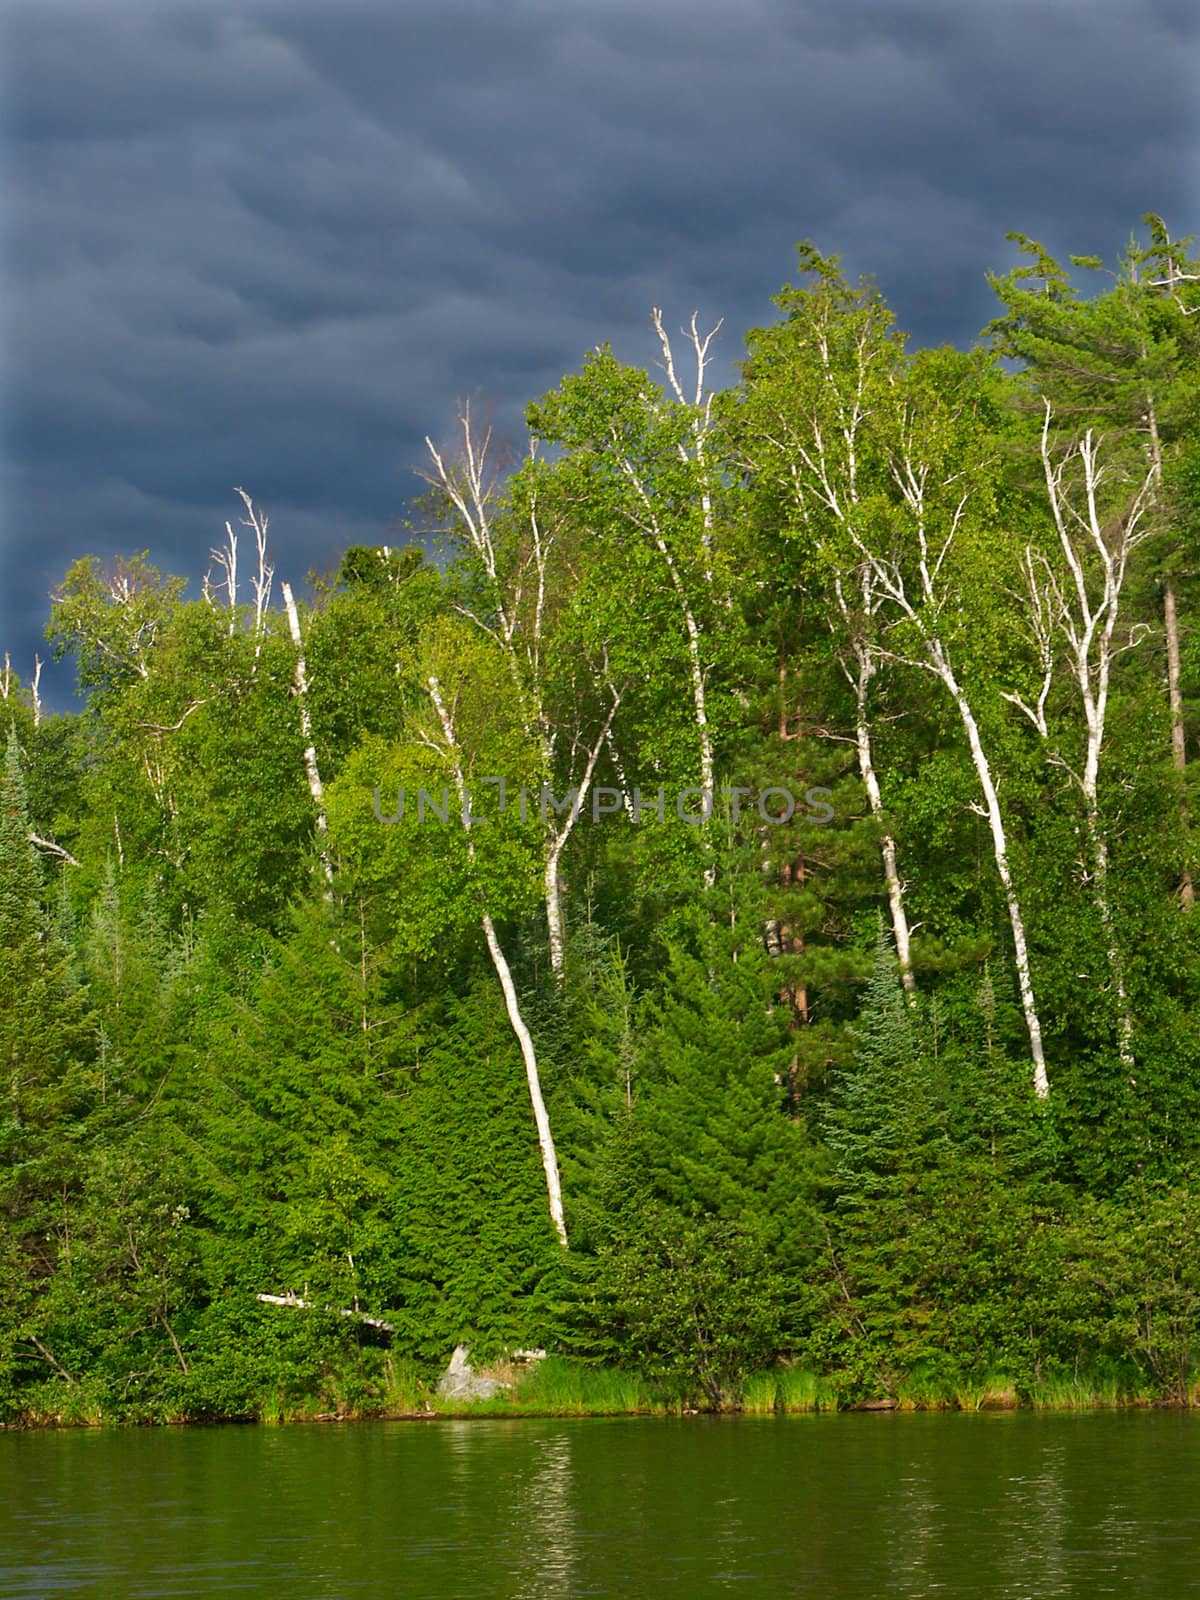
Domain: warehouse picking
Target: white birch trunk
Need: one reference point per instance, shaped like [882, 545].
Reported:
[910, 476]
[983, 771]
[1088, 625]
[504, 973]
[311, 770]
[529, 1056]
[699, 696]
[552, 893]
[887, 844]
[1116, 960]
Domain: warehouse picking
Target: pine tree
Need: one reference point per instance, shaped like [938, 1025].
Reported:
[44, 1032]
[881, 1116]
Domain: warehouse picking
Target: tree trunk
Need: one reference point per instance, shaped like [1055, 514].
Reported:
[552, 894]
[887, 844]
[511, 999]
[983, 771]
[529, 1056]
[699, 699]
[312, 771]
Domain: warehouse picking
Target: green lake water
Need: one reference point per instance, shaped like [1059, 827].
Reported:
[1025, 1506]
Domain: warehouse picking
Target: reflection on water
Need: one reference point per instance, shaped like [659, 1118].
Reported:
[550, 1524]
[966, 1506]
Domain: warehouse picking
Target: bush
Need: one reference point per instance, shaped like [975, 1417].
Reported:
[695, 1298]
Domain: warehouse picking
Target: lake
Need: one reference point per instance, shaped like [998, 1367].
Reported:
[1026, 1506]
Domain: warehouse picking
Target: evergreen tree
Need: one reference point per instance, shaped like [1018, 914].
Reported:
[44, 1037]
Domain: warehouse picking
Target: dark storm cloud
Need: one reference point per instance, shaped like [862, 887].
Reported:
[272, 246]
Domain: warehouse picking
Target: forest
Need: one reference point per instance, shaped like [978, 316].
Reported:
[714, 900]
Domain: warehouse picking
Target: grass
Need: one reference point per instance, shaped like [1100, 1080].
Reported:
[566, 1387]
[562, 1386]
[559, 1386]
[761, 1393]
[404, 1391]
[803, 1390]
[787, 1389]
[1075, 1392]
[994, 1392]
[925, 1390]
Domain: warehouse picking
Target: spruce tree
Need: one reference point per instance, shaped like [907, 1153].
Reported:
[44, 1030]
[880, 1116]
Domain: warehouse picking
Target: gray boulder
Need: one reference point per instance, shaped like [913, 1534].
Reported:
[460, 1381]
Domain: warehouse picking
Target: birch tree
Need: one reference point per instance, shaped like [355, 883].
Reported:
[1077, 603]
[312, 771]
[858, 657]
[516, 536]
[451, 751]
[644, 465]
[1123, 361]
[811, 382]
[225, 557]
[923, 588]
[892, 532]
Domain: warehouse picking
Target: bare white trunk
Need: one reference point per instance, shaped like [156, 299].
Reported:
[552, 892]
[701, 404]
[983, 771]
[937, 661]
[884, 577]
[257, 522]
[295, 1302]
[504, 973]
[556, 838]
[311, 770]
[887, 844]
[699, 702]
[529, 1056]
[619, 768]
[1088, 611]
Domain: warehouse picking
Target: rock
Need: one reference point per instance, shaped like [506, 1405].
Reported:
[460, 1381]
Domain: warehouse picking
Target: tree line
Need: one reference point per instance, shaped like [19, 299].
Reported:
[901, 1088]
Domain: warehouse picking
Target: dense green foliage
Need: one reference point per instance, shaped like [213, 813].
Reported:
[287, 971]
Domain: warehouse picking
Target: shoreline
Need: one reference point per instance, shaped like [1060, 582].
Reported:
[491, 1412]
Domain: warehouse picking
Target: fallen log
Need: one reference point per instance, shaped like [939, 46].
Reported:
[294, 1302]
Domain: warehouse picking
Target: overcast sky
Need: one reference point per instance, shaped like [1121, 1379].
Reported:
[273, 245]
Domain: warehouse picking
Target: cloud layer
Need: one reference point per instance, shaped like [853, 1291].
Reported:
[274, 244]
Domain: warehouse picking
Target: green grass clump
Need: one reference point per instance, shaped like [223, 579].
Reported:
[760, 1393]
[784, 1388]
[801, 1389]
[404, 1390]
[925, 1390]
[993, 1392]
[1075, 1392]
[564, 1386]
